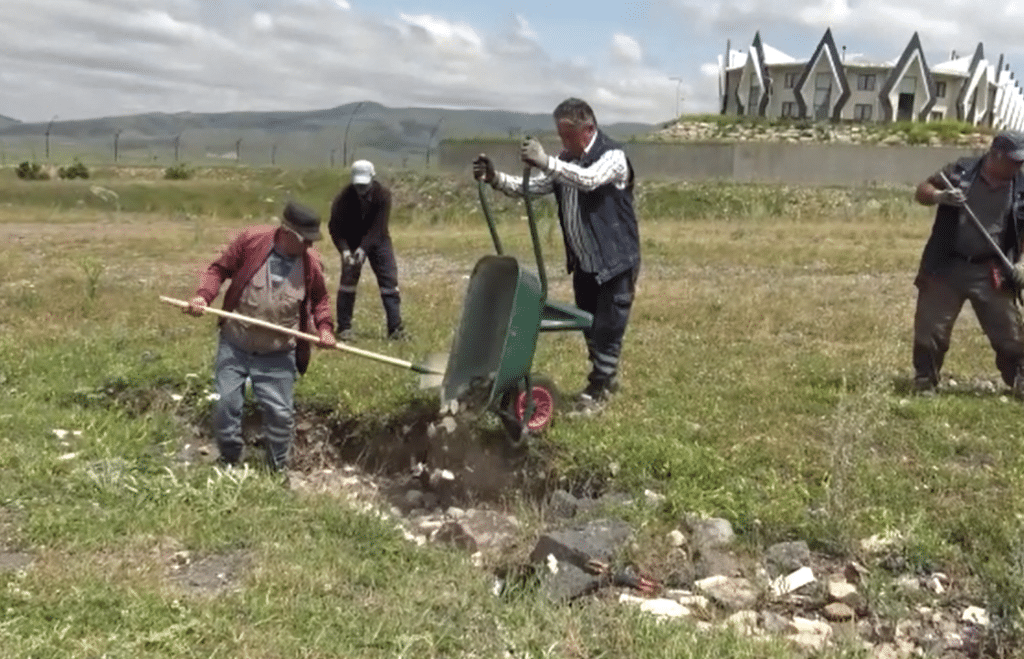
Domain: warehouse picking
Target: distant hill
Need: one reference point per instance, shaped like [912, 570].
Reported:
[396, 134]
[7, 121]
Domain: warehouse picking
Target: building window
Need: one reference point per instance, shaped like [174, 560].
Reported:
[822, 95]
[789, 110]
[789, 80]
[862, 112]
[936, 116]
[940, 89]
[754, 98]
[866, 82]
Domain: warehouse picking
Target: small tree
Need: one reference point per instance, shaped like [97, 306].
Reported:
[179, 172]
[75, 170]
[31, 171]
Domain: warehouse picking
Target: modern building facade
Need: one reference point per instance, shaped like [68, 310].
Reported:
[832, 86]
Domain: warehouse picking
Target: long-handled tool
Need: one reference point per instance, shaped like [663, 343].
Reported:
[429, 374]
[1000, 256]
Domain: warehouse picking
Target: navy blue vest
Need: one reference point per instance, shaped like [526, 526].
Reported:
[607, 214]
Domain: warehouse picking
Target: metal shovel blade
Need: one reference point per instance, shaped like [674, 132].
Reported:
[436, 363]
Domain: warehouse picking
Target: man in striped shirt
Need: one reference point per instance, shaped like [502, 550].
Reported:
[592, 180]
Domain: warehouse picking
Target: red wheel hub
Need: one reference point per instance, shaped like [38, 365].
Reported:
[543, 408]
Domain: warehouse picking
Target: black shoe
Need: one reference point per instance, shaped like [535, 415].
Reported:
[398, 334]
[345, 335]
[924, 386]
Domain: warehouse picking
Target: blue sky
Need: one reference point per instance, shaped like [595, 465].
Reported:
[91, 58]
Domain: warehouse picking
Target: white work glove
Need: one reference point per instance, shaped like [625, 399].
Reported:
[533, 153]
[1018, 275]
[359, 256]
[483, 169]
[951, 197]
[346, 257]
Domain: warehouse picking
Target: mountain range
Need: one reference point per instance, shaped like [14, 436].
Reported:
[366, 128]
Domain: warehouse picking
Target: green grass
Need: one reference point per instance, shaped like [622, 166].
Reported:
[764, 375]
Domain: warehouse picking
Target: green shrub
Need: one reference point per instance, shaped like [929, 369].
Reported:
[179, 172]
[32, 171]
[75, 170]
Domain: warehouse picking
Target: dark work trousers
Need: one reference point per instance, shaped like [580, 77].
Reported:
[939, 301]
[610, 303]
[381, 258]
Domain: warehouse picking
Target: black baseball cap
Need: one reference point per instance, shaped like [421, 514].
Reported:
[1010, 142]
[304, 221]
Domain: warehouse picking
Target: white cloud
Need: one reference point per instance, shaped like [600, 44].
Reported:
[263, 21]
[626, 50]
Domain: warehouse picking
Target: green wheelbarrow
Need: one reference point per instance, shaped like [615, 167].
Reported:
[491, 360]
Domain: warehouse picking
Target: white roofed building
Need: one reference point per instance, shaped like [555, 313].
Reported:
[834, 86]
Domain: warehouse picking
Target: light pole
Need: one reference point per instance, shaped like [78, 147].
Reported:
[430, 140]
[48, 127]
[344, 152]
[679, 81]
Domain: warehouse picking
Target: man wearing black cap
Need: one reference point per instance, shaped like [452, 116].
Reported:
[277, 277]
[959, 263]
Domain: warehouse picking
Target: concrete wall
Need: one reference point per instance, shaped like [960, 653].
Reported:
[751, 162]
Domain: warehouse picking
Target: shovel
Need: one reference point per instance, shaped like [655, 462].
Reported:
[430, 374]
[1000, 256]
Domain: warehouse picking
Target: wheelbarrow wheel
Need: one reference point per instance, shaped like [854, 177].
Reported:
[545, 401]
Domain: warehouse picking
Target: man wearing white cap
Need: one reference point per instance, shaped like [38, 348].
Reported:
[359, 228]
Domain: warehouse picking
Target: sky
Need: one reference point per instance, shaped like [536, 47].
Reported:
[635, 60]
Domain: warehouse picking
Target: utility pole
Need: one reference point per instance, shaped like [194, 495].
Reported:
[117, 137]
[273, 154]
[344, 153]
[679, 81]
[238, 150]
[430, 140]
[48, 127]
[177, 143]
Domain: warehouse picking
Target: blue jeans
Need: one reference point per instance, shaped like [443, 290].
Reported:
[273, 383]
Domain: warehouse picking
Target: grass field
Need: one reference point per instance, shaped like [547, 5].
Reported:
[765, 380]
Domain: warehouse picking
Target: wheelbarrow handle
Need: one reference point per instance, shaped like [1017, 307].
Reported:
[308, 337]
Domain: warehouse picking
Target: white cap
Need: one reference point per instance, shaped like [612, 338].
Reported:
[362, 172]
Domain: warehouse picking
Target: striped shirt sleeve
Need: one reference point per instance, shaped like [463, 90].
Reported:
[611, 167]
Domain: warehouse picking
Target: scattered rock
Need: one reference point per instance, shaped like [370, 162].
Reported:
[786, 557]
[731, 593]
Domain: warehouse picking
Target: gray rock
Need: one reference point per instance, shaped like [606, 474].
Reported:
[453, 534]
[734, 594]
[785, 557]
[563, 505]
[711, 533]
[490, 530]
[711, 562]
[562, 554]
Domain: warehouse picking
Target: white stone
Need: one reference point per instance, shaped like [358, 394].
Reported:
[626, 598]
[744, 622]
[664, 608]
[976, 616]
[676, 538]
[653, 497]
[792, 581]
[800, 625]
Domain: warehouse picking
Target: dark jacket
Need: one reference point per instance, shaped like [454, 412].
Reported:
[607, 213]
[938, 251]
[243, 257]
[360, 221]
